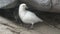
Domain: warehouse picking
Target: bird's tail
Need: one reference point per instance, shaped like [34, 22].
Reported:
[40, 20]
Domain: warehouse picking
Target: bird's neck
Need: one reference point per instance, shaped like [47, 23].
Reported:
[22, 12]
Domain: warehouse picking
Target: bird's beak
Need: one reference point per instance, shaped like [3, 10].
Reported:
[26, 7]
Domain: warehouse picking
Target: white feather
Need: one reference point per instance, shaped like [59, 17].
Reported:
[28, 16]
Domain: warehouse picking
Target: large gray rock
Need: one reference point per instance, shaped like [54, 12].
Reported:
[4, 4]
[44, 5]
[55, 6]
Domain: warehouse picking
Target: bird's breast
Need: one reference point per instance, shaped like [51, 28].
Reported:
[22, 14]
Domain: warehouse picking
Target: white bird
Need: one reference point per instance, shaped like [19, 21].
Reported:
[27, 16]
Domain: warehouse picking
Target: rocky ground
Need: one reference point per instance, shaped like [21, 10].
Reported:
[10, 27]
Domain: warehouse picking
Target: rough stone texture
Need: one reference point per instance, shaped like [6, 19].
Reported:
[55, 6]
[9, 27]
[4, 4]
[4, 30]
[43, 5]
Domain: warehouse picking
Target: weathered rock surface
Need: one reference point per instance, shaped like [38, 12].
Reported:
[4, 4]
[9, 27]
[39, 4]
[44, 5]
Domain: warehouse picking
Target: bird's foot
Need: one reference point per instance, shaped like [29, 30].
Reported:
[31, 27]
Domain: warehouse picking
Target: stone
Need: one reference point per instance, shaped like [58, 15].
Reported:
[4, 4]
[43, 5]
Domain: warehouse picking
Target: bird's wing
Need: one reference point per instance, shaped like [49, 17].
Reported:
[31, 17]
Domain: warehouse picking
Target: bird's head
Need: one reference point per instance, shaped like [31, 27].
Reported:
[23, 5]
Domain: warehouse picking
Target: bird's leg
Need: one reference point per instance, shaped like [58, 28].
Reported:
[32, 25]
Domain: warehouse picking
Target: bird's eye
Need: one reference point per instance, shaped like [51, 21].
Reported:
[24, 5]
